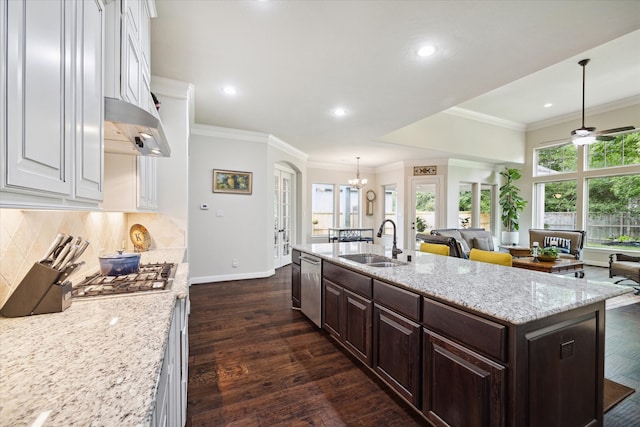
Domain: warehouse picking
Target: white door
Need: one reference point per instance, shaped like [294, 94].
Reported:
[426, 207]
[283, 210]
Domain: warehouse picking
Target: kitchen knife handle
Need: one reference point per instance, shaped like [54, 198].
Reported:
[56, 242]
[63, 253]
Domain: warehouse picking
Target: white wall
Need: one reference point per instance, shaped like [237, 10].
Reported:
[393, 174]
[465, 136]
[235, 227]
[173, 178]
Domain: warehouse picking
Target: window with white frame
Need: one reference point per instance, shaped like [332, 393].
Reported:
[334, 206]
[607, 184]
[391, 207]
[322, 203]
[349, 215]
[487, 206]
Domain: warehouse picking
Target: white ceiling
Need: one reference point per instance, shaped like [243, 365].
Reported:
[293, 62]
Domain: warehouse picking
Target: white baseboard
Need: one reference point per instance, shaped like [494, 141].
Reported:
[228, 277]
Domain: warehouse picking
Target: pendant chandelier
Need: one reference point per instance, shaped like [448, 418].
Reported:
[357, 183]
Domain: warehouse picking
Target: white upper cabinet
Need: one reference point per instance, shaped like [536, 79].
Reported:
[90, 104]
[128, 72]
[51, 98]
[39, 106]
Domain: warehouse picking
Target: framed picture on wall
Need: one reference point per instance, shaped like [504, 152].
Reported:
[234, 182]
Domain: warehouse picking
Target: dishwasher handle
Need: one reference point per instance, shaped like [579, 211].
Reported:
[313, 261]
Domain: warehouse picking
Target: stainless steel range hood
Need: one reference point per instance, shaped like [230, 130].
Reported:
[128, 129]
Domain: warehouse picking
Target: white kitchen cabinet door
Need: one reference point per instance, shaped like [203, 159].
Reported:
[131, 65]
[128, 47]
[185, 305]
[168, 411]
[38, 96]
[147, 183]
[89, 102]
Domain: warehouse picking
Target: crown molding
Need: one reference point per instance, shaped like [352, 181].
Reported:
[228, 133]
[485, 118]
[471, 164]
[339, 167]
[576, 115]
[279, 144]
[172, 88]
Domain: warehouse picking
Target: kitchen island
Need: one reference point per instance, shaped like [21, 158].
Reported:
[469, 343]
[98, 363]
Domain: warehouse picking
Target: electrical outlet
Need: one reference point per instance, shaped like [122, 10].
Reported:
[234, 263]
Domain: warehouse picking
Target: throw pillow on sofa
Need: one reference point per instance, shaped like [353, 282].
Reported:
[482, 243]
[470, 234]
[564, 245]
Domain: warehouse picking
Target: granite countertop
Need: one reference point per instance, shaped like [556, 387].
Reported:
[95, 364]
[512, 295]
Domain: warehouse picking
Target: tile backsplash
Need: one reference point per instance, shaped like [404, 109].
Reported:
[25, 235]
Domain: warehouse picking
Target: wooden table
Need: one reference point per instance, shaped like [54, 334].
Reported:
[516, 251]
[560, 266]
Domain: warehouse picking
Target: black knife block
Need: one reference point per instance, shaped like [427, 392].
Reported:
[42, 290]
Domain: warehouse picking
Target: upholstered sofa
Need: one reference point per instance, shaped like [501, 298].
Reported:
[455, 249]
[569, 242]
[468, 238]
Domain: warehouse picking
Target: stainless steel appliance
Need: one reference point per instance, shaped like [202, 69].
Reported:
[310, 289]
[153, 277]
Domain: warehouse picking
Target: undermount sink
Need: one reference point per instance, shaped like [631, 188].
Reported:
[373, 260]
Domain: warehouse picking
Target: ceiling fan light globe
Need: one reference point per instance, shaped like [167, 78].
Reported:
[584, 140]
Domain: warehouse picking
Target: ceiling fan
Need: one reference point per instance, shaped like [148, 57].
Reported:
[587, 135]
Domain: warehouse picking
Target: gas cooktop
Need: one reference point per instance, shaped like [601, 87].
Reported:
[153, 277]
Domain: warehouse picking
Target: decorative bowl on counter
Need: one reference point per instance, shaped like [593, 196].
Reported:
[119, 264]
[547, 258]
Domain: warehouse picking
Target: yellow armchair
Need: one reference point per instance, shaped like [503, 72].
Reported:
[434, 248]
[500, 258]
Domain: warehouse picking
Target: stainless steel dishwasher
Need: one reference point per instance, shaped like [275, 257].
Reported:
[311, 292]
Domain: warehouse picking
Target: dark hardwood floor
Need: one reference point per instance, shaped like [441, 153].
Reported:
[254, 361]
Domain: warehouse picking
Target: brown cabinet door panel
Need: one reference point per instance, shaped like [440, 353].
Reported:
[357, 326]
[564, 374]
[397, 352]
[332, 306]
[295, 285]
[461, 388]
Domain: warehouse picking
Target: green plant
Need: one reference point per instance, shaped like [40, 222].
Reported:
[420, 224]
[511, 202]
[548, 251]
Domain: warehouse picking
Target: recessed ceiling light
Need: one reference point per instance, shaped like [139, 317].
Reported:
[229, 90]
[425, 51]
[339, 112]
[548, 104]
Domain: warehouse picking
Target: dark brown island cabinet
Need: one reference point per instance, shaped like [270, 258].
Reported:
[296, 277]
[463, 369]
